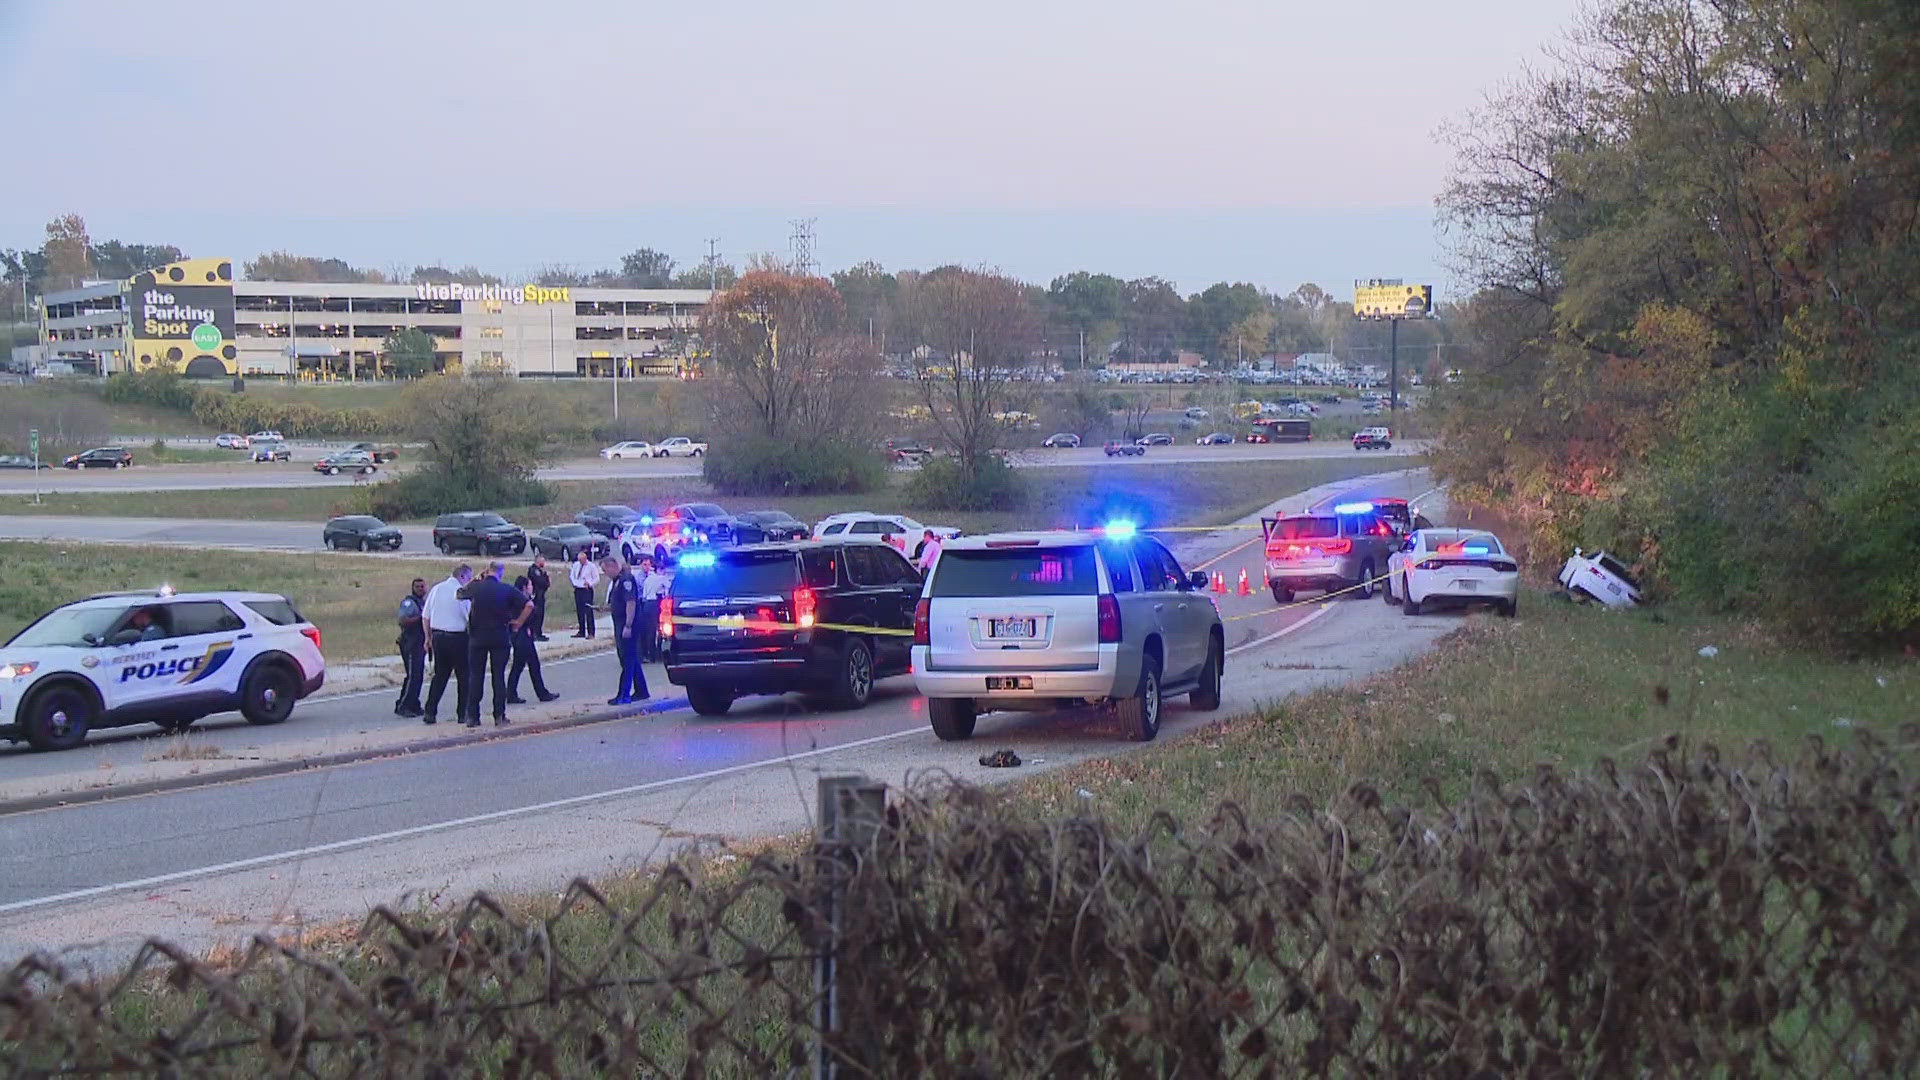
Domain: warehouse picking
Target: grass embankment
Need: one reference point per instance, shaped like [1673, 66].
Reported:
[350, 597]
[1181, 494]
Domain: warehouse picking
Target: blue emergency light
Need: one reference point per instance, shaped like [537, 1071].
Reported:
[1354, 508]
[696, 560]
[646, 519]
[1120, 530]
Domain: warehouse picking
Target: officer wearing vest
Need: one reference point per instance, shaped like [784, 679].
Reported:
[413, 650]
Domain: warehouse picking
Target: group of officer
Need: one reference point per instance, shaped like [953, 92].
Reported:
[472, 627]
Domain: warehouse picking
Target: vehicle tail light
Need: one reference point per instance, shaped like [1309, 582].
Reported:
[312, 633]
[804, 607]
[922, 616]
[666, 616]
[1109, 619]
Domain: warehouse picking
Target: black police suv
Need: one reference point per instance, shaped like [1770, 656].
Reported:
[360, 532]
[482, 532]
[773, 618]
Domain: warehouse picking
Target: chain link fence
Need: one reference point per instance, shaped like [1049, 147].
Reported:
[1684, 915]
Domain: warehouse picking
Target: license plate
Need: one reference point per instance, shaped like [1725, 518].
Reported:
[1467, 585]
[1009, 682]
[1011, 628]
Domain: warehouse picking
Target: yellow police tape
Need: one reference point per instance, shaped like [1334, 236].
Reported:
[1303, 603]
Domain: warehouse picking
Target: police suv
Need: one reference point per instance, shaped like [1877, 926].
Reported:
[155, 657]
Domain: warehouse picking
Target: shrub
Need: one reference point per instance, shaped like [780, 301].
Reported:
[756, 465]
[941, 484]
[160, 386]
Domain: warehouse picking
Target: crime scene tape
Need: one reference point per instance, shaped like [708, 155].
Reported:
[1322, 598]
[769, 625]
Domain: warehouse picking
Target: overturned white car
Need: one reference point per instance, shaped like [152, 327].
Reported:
[1601, 577]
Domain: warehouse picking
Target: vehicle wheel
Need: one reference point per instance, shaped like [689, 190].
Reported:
[1207, 694]
[1509, 608]
[445, 546]
[1386, 446]
[697, 453]
[520, 548]
[57, 718]
[1364, 591]
[121, 464]
[333, 470]
[1410, 606]
[175, 724]
[709, 700]
[659, 554]
[566, 555]
[853, 683]
[1282, 594]
[1386, 590]
[266, 696]
[952, 718]
[363, 544]
[1139, 715]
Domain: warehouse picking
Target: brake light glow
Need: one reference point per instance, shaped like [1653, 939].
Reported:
[666, 616]
[922, 622]
[804, 607]
[1109, 617]
[312, 633]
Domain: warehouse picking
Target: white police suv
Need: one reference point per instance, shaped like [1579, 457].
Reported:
[155, 657]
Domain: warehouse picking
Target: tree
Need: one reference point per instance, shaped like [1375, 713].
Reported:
[1084, 411]
[719, 276]
[440, 275]
[1136, 406]
[408, 352]
[970, 330]
[285, 266]
[869, 292]
[562, 277]
[67, 252]
[646, 269]
[113, 259]
[1217, 314]
[484, 434]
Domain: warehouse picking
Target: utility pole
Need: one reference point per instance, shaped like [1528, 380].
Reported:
[713, 264]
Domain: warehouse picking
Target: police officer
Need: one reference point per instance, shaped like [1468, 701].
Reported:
[653, 586]
[526, 656]
[537, 585]
[444, 615]
[623, 603]
[413, 650]
[499, 611]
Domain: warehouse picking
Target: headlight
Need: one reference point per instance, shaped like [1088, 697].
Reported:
[18, 670]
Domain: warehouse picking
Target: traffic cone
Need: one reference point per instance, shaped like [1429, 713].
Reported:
[1245, 589]
[1219, 583]
[1266, 576]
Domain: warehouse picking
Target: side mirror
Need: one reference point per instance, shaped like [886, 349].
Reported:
[1197, 579]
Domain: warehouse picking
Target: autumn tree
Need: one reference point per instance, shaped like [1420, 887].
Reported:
[68, 252]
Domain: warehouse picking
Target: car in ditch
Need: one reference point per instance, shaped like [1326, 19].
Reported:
[1599, 576]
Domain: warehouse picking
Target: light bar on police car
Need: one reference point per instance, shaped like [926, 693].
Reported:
[696, 560]
[1354, 508]
[1119, 530]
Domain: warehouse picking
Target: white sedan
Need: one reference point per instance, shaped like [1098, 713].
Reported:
[1461, 567]
[1600, 576]
[630, 448]
[231, 442]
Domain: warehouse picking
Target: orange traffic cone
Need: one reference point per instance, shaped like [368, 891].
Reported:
[1245, 589]
[1219, 583]
[1266, 576]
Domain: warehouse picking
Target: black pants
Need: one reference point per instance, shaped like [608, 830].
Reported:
[583, 609]
[413, 659]
[487, 652]
[449, 658]
[649, 630]
[526, 657]
[538, 624]
[633, 680]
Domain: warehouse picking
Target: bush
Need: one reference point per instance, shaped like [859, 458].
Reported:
[433, 491]
[238, 412]
[761, 466]
[160, 386]
[941, 484]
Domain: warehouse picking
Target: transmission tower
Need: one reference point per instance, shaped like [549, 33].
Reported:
[803, 245]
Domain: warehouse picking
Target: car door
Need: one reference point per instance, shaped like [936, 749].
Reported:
[212, 643]
[1182, 638]
[893, 603]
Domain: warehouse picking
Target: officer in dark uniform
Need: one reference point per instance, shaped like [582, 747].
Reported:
[623, 602]
[499, 611]
[537, 583]
[413, 651]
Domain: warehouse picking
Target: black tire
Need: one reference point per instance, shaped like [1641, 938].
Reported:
[445, 546]
[1386, 446]
[853, 681]
[1139, 715]
[697, 453]
[1363, 589]
[952, 718]
[333, 470]
[659, 554]
[709, 700]
[1207, 695]
[566, 554]
[363, 545]
[1386, 590]
[267, 694]
[57, 718]
[1509, 608]
[1282, 594]
[1410, 606]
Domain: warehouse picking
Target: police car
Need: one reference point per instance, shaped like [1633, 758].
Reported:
[155, 657]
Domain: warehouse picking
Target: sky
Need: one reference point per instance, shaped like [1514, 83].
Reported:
[1274, 142]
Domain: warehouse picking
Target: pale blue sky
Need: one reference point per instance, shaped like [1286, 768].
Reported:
[1273, 142]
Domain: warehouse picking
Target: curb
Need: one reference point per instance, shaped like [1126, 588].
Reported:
[319, 761]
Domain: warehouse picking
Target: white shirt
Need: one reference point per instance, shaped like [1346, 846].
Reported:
[444, 610]
[654, 586]
[584, 575]
[929, 553]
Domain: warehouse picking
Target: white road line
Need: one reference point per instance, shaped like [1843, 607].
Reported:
[441, 826]
[1320, 612]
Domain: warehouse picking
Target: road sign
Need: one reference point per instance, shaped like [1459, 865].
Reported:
[33, 444]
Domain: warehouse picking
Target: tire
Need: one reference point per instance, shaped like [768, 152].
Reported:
[267, 694]
[853, 681]
[1509, 608]
[1282, 594]
[57, 718]
[1139, 715]
[697, 453]
[709, 700]
[1386, 446]
[363, 544]
[1364, 587]
[1410, 606]
[121, 464]
[659, 554]
[1207, 695]
[566, 555]
[445, 546]
[952, 718]
[1386, 590]
[333, 470]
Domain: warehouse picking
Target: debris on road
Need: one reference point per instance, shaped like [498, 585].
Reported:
[1000, 759]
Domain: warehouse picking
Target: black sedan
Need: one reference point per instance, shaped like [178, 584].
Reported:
[1218, 438]
[610, 520]
[360, 532]
[105, 457]
[762, 526]
[562, 542]
[1158, 438]
[20, 461]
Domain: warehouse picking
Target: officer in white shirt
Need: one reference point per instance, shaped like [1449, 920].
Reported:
[444, 615]
[653, 586]
[583, 575]
[929, 551]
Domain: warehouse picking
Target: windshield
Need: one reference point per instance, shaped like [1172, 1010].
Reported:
[488, 521]
[1030, 571]
[738, 573]
[74, 627]
[568, 530]
[619, 513]
[1306, 528]
[704, 510]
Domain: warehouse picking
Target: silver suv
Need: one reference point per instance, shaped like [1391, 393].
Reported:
[1346, 549]
[1031, 621]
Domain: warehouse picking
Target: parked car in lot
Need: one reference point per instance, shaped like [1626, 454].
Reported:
[908, 450]
[632, 448]
[21, 461]
[230, 442]
[101, 457]
[563, 542]
[1346, 548]
[380, 454]
[1218, 438]
[1061, 440]
[1032, 621]
[354, 461]
[1156, 438]
[268, 450]
[868, 524]
[482, 532]
[1195, 412]
[611, 520]
[679, 446]
[774, 618]
[155, 657]
[360, 532]
[1459, 567]
[1373, 438]
[764, 526]
[1599, 576]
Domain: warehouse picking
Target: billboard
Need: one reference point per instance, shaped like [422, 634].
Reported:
[1384, 298]
[182, 313]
